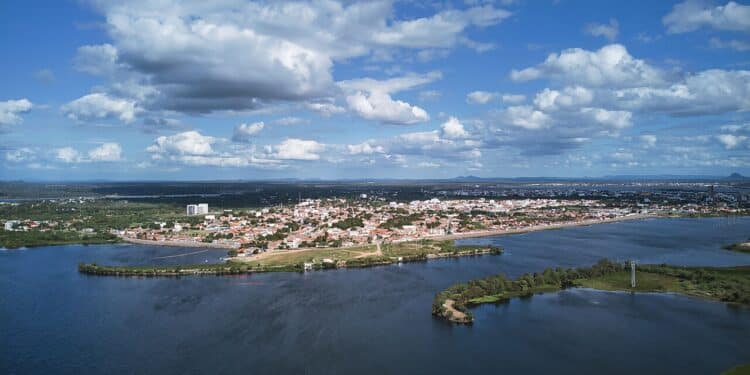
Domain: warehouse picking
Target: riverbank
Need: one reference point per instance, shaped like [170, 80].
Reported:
[11, 240]
[536, 228]
[727, 284]
[16, 240]
[177, 243]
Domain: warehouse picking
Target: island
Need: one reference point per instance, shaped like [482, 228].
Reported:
[307, 259]
[727, 284]
[742, 247]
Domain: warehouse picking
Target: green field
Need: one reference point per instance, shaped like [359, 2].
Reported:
[293, 257]
[359, 256]
[294, 260]
[645, 282]
[738, 370]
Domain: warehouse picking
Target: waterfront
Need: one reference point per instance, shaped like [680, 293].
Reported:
[372, 320]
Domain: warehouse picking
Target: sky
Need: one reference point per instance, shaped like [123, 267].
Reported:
[239, 90]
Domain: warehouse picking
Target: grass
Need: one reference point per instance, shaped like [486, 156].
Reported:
[366, 255]
[645, 282]
[293, 260]
[738, 370]
[424, 247]
[282, 258]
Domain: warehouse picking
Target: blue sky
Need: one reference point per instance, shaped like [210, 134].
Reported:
[174, 90]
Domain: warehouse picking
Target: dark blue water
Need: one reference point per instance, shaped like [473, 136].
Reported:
[372, 321]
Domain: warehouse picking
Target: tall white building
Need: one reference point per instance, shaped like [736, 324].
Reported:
[197, 209]
[10, 223]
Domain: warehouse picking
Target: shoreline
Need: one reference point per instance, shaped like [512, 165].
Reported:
[721, 284]
[446, 237]
[455, 236]
[537, 228]
[193, 244]
[466, 235]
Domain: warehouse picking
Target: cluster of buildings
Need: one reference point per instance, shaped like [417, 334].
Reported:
[342, 222]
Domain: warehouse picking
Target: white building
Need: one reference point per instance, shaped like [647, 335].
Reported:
[10, 223]
[197, 209]
[202, 208]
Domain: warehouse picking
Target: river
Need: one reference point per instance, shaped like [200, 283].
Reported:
[376, 320]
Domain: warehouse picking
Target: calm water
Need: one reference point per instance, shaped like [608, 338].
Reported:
[372, 321]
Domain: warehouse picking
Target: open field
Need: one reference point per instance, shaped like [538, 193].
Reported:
[290, 257]
[296, 260]
[645, 282]
[380, 253]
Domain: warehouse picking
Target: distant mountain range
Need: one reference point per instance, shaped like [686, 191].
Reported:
[470, 178]
[663, 177]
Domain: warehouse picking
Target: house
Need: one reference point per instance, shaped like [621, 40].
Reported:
[10, 224]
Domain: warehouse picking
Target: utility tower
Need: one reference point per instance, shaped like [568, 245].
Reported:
[632, 274]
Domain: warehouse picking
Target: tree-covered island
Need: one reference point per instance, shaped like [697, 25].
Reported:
[727, 284]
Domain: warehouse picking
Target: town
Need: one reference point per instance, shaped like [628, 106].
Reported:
[321, 223]
[350, 215]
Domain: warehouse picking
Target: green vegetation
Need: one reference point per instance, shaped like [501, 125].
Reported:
[426, 248]
[352, 222]
[294, 260]
[14, 240]
[67, 222]
[399, 221]
[228, 268]
[738, 370]
[730, 284]
[98, 214]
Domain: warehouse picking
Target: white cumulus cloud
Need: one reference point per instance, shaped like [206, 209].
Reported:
[371, 99]
[481, 97]
[185, 143]
[99, 106]
[453, 129]
[610, 65]
[297, 149]
[11, 109]
[109, 151]
[609, 31]
[244, 132]
[692, 15]
[68, 155]
[731, 141]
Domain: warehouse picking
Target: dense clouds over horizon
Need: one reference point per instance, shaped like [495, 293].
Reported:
[326, 89]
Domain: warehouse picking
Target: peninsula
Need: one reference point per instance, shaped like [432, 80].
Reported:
[742, 247]
[307, 259]
[728, 284]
